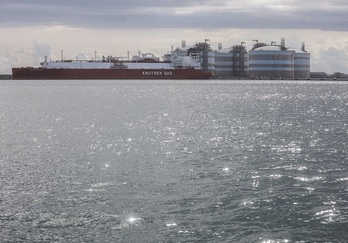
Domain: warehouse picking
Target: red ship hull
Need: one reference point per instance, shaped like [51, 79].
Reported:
[42, 73]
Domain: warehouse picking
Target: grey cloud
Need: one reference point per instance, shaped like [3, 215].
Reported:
[334, 59]
[23, 57]
[315, 14]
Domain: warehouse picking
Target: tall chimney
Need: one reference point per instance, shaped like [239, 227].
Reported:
[303, 48]
[282, 42]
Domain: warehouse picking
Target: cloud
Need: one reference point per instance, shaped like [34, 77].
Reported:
[291, 14]
[334, 59]
[39, 50]
[23, 57]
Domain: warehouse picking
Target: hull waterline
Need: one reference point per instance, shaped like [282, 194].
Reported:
[57, 74]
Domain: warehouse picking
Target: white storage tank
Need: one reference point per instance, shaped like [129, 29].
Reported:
[223, 63]
[271, 62]
[211, 62]
[302, 64]
[246, 64]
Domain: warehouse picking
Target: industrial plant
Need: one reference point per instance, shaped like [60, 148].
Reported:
[263, 61]
[199, 61]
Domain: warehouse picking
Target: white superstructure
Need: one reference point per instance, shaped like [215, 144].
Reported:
[145, 61]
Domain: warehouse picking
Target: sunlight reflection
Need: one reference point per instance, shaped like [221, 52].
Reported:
[171, 224]
[133, 220]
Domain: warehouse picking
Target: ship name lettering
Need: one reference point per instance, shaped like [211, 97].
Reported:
[154, 73]
[168, 73]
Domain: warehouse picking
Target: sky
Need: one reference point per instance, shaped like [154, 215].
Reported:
[33, 29]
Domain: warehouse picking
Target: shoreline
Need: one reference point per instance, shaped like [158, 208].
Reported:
[9, 77]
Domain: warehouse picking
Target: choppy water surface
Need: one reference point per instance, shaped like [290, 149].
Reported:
[173, 161]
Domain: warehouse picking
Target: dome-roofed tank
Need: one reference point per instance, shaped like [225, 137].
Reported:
[271, 62]
[301, 63]
[277, 61]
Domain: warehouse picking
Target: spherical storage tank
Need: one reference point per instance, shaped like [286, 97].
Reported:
[271, 62]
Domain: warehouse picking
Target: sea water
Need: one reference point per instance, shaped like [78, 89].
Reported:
[173, 161]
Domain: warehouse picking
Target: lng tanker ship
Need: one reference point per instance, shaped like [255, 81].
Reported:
[146, 66]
